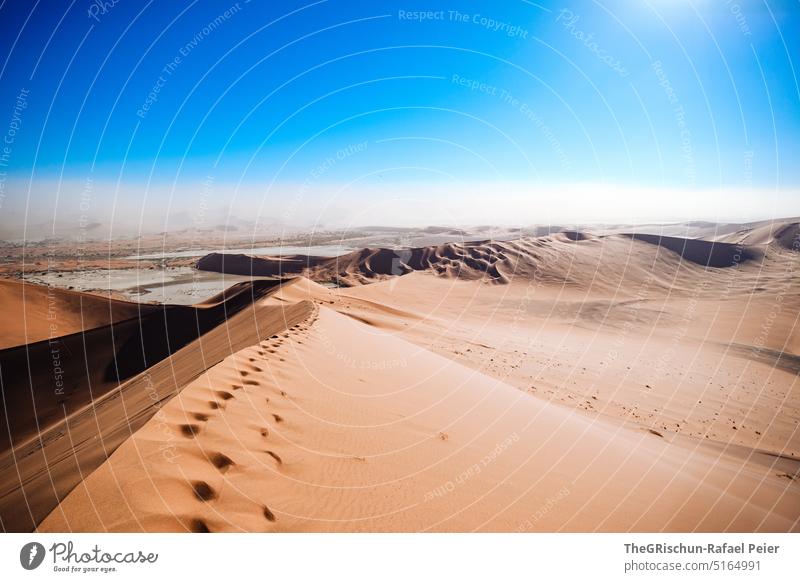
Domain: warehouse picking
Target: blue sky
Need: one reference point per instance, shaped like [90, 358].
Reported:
[676, 109]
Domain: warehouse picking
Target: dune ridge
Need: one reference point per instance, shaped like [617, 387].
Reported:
[551, 257]
[788, 236]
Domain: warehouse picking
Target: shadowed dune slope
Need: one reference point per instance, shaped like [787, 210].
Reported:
[44, 381]
[80, 433]
[703, 252]
[788, 237]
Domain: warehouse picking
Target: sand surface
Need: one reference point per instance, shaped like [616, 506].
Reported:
[562, 383]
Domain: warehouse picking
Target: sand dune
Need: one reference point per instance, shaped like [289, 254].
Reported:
[788, 236]
[49, 312]
[701, 252]
[780, 233]
[338, 425]
[47, 380]
[52, 440]
[568, 257]
[565, 382]
[662, 361]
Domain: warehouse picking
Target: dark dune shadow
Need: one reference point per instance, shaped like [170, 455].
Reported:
[43, 382]
[702, 252]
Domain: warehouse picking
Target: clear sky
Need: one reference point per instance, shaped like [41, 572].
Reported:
[335, 112]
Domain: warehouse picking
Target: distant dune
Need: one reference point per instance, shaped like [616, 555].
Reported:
[788, 236]
[499, 261]
[702, 252]
[50, 312]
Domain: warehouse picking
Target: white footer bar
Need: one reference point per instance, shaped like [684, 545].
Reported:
[401, 557]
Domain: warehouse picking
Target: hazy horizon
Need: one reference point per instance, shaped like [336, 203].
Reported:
[299, 115]
[134, 209]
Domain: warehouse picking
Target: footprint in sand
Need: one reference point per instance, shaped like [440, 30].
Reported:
[198, 526]
[200, 417]
[203, 491]
[224, 395]
[277, 417]
[268, 514]
[221, 461]
[251, 383]
[189, 430]
[264, 432]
